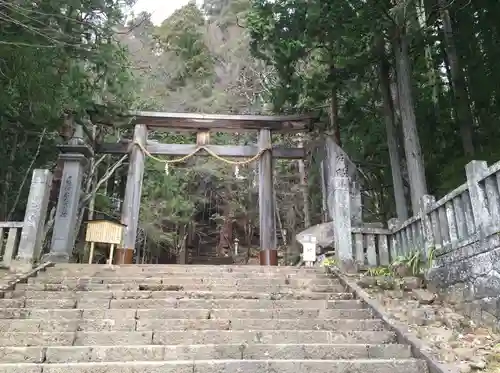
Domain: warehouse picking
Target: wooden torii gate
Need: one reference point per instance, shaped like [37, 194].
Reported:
[203, 124]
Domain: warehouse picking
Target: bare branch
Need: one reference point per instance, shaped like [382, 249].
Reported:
[18, 196]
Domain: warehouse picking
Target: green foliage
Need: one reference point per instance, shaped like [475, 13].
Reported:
[317, 47]
[379, 271]
[413, 263]
[329, 262]
[416, 261]
[57, 58]
[183, 34]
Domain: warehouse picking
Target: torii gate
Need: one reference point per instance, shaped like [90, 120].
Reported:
[202, 124]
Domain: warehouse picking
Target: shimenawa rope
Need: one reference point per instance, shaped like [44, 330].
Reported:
[205, 148]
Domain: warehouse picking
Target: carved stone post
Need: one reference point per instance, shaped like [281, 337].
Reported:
[268, 253]
[132, 200]
[339, 203]
[32, 233]
[63, 236]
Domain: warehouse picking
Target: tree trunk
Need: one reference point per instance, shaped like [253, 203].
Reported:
[304, 187]
[334, 108]
[390, 125]
[226, 234]
[413, 151]
[432, 75]
[462, 107]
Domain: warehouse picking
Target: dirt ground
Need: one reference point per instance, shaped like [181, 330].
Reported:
[454, 339]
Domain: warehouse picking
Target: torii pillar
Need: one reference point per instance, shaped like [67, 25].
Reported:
[268, 251]
[132, 201]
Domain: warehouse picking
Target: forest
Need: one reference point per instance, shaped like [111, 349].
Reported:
[406, 87]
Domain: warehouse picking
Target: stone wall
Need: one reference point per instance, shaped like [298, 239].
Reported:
[469, 278]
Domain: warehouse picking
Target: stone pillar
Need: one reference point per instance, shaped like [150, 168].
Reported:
[268, 253]
[475, 171]
[356, 204]
[339, 203]
[63, 236]
[132, 201]
[32, 234]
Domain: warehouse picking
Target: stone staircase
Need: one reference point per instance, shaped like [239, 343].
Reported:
[192, 319]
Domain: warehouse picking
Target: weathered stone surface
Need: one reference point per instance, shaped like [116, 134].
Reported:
[423, 296]
[138, 319]
[271, 337]
[344, 304]
[324, 234]
[221, 351]
[367, 282]
[422, 316]
[411, 283]
[22, 354]
[385, 282]
[233, 366]
[471, 283]
[36, 339]
[85, 296]
[20, 368]
[113, 338]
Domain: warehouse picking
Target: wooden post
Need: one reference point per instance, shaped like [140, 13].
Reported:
[132, 200]
[91, 254]
[111, 253]
[202, 138]
[268, 253]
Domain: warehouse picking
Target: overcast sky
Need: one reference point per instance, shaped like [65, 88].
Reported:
[160, 9]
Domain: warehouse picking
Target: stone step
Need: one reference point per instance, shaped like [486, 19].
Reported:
[72, 286]
[181, 275]
[197, 337]
[137, 294]
[130, 324]
[184, 275]
[172, 281]
[178, 313]
[76, 354]
[228, 366]
[176, 303]
[178, 268]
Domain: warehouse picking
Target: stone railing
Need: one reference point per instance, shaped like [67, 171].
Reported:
[21, 242]
[467, 215]
[371, 245]
[8, 245]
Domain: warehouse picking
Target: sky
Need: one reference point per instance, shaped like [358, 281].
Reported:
[160, 9]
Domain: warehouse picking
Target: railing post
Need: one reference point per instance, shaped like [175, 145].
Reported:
[324, 194]
[356, 204]
[475, 171]
[427, 231]
[32, 234]
[392, 225]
